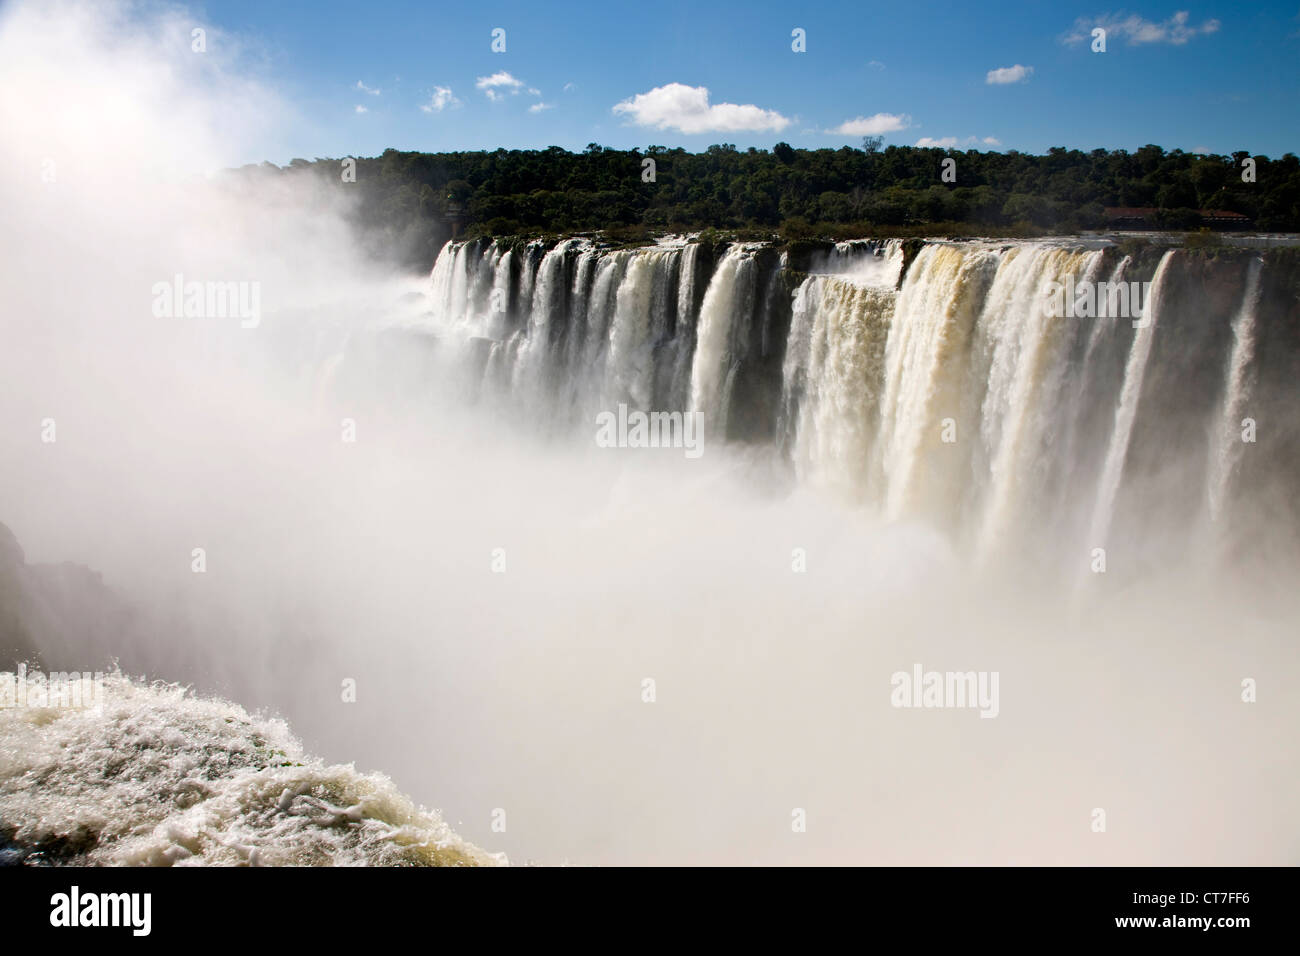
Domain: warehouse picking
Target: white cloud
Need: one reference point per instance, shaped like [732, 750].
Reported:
[568, 87]
[873, 125]
[687, 110]
[1201, 150]
[538, 107]
[534, 91]
[442, 98]
[365, 89]
[947, 142]
[876, 64]
[1177, 30]
[497, 84]
[362, 109]
[1008, 74]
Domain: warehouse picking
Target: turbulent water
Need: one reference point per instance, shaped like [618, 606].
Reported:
[150, 774]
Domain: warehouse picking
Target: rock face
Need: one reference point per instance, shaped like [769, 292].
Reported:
[51, 614]
[15, 638]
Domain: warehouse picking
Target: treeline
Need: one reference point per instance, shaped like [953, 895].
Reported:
[417, 198]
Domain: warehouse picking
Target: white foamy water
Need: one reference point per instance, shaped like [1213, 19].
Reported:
[159, 776]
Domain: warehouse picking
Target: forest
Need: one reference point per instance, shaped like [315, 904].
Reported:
[414, 201]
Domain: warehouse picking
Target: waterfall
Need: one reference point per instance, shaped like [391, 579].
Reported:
[925, 363]
[1094, 376]
[681, 347]
[440, 280]
[498, 322]
[533, 362]
[686, 285]
[724, 298]
[952, 396]
[1026, 346]
[1126, 413]
[630, 368]
[866, 262]
[1228, 446]
[837, 353]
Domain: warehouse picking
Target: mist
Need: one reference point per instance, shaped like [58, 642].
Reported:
[501, 593]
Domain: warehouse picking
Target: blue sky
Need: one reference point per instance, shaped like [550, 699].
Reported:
[422, 75]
